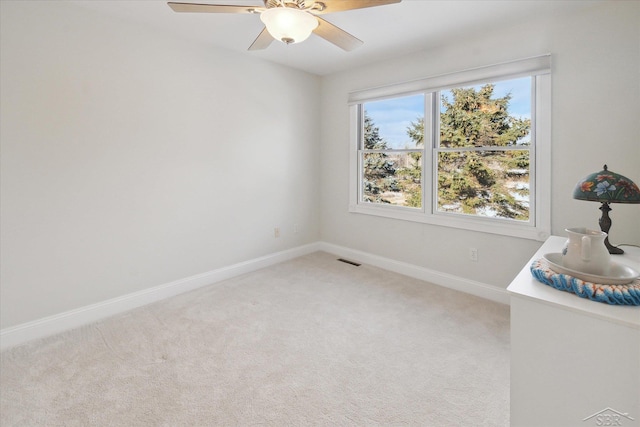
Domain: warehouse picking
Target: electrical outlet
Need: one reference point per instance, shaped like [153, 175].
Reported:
[276, 232]
[473, 254]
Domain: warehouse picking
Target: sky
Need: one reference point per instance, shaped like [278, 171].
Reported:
[393, 116]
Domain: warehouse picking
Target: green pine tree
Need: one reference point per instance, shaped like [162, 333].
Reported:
[410, 178]
[488, 181]
[379, 170]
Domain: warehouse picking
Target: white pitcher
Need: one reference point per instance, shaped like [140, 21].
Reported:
[585, 251]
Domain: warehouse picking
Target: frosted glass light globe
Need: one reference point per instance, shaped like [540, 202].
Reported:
[289, 25]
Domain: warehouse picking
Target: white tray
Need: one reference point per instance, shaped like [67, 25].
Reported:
[619, 274]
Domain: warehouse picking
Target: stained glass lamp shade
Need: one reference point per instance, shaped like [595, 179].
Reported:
[607, 187]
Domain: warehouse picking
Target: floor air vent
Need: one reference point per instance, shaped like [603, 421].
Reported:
[346, 261]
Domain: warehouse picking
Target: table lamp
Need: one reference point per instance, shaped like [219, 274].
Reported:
[607, 187]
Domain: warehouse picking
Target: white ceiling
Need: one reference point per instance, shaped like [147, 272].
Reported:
[387, 31]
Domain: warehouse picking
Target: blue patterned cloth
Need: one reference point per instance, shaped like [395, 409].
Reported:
[628, 294]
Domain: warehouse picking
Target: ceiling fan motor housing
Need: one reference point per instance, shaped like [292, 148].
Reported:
[287, 3]
[295, 4]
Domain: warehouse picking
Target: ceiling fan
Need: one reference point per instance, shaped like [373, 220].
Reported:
[292, 21]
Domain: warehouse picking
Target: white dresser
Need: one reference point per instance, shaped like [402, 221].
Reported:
[574, 362]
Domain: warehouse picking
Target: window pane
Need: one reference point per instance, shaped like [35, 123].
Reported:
[492, 114]
[394, 123]
[393, 178]
[486, 183]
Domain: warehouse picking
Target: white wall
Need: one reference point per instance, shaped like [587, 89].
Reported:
[131, 159]
[596, 106]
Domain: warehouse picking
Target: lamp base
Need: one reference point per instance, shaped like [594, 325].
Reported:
[605, 225]
[613, 250]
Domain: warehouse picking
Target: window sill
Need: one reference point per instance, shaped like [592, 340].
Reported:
[484, 225]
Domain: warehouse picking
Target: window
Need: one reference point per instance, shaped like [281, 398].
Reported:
[391, 158]
[467, 150]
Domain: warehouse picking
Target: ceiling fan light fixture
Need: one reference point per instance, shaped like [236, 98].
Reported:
[289, 25]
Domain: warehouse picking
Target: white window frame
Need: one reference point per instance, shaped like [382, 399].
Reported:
[539, 225]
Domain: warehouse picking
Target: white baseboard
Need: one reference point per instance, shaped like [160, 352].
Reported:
[438, 278]
[20, 334]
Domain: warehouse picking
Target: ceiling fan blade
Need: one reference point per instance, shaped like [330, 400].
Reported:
[212, 8]
[341, 5]
[337, 36]
[263, 40]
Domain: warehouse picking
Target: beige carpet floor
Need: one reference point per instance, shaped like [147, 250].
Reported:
[312, 341]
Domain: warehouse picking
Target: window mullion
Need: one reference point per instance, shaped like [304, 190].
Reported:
[484, 148]
[355, 175]
[428, 171]
[394, 150]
